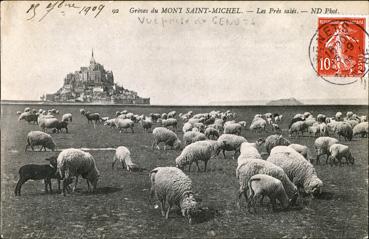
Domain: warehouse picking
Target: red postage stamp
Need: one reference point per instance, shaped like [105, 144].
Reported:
[341, 46]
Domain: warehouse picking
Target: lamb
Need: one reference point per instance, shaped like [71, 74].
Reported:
[301, 149]
[67, 117]
[146, 124]
[28, 116]
[339, 151]
[211, 133]
[169, 122]
[124, 124]
[171, 186]
[73, 163]
[38, 172]
[265, 185]
[300, 171]
[162, 134]
[230, 142]
[299, 126]
[124, 156]
[198, 151]
[232, 128]
[40, 138]
[193, 136]
[361, 128]
[274, 140]
[322, 145]
[251, 167]
[345, 130]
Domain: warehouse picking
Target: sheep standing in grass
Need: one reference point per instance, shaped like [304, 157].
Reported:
[187, 127]
[67, 117]
[232, 128]
[171, 186]
[361, 129]
[168, 137]
[28, 116]
[169, 122]
[322, 145]
[124, 124]
[146, 124]
[274, 140]
[230, 142]
[339, 151]
[172, 114]
[298, 127]
[73, 163]
[258, 124]
[300, 171]
[301, 149]
[251, 167]
[344, 129]
[265, 185]
[124, 156]
[211, 133]
[198, 151]
[38, 172]
[40, 138]
[47, 122]
[61, 125]
[193, 136]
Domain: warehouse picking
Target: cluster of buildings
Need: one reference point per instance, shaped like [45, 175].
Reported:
[94, 84]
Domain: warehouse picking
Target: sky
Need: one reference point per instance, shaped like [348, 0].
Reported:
[265, 57]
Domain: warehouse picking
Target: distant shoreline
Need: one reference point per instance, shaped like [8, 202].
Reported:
[35, 102]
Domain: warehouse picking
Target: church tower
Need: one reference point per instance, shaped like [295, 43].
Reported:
[92, 61]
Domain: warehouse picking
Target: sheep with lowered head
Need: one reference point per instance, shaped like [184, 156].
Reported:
[322, 145]
[300, 171]
[251, 167]
[193, 136]
[168, 137]
[211, 133]
[124, 156]
[40, 138]
[274, 140]
[28, 116]
[265, 185]
[344, 129]
[74, 163]
[124, 124]
[298, 127]
[339, 151]
[230, 142]
[361, 129]
[232, 128]
[301, 149]
[67, 117]
[171, 186]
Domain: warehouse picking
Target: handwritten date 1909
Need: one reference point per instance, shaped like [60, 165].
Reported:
[62, 6]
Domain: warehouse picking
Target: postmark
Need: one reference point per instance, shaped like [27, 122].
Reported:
[338, 50]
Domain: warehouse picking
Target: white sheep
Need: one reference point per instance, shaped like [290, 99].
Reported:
[251, 167]
[40, 138]
[198, 151]
[323, 129]
[187, 127]
[67, 117]
[300, 171]
[74, 163]
[172, 114]
[361, 129]
[193, 136]
[124, 124]
[169, 122]
[232, 128]
[28, 116]
[344, 129]
[48, 122]
[265, 185]
[301, 149]
[274, 140]
[162, 134]
[339, 151]
[249, 150]
[258, 124]
[338, 116]
[322, 145]
[298, 127]
[124, 156]
[146, 123]
[230, 142]
[171, 186]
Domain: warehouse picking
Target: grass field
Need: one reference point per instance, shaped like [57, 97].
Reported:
[120, 207]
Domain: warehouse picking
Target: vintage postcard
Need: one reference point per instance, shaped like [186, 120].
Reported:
[184, 119]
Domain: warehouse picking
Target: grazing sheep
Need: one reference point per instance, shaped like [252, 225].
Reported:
[40, 138]
[172, 114]
[322, 145]
[38, 172]
[352, 122]
[199, 126]
[338, 116]
[258, 124]
[248, 150]
[124, 124]
[198, 151]
[232, 128]
[301, 149]
[164, 116]
[361, 129]
[92, 117]
[193, 136]
[323, 129]
[29, 117]
[211, 133]
[321, 118]
[265, 185]
[251, 167]
[73, 163]
[47, 122]
[61, 125]
[187, 127]
[146, 124]
[297, 127]
[339, 151]
[124, 156]
[300, 171]
[274, 140]
[169, 122]
[345, 130]
[67, 117]
[171, 186]
[314, 130]
[110, 123]
[155, 116]
[162, 134]
[230, 142]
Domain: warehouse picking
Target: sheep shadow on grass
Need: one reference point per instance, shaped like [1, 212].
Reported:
[100, 190]
[325, 196]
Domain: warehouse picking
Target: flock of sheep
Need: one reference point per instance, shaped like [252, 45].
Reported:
[286, 174]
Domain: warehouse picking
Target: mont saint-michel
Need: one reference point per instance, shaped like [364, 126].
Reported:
[94, 84]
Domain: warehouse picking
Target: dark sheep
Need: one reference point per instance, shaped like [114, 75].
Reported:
[62, 125]
[38, 172]
[92, 117]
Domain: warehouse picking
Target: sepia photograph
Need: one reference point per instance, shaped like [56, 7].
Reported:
[184, 119]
